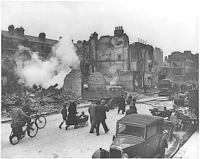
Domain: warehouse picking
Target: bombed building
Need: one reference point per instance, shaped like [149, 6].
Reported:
[10, 40]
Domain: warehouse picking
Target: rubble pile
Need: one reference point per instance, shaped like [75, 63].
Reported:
[185, 112]
[139, 94]
[47, 104]
[7, 101]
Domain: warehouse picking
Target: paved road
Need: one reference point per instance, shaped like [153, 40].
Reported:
[72, 143]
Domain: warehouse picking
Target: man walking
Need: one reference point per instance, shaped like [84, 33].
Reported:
[64, 115]
[92, 111]
[101, 110]
[122, 104]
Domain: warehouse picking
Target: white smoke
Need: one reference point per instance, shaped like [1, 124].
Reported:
[115, 71]
[49, 72]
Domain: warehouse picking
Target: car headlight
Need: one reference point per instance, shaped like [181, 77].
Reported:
[124, 155]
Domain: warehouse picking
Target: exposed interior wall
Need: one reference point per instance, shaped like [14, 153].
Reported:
[96, 82]
[72, 83]
[126, 80]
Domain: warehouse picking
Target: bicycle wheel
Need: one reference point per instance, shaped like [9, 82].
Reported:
[13, 138]
[32, 131]
[41, 122]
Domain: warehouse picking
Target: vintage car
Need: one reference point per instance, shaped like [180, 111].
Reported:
[165, 87]
[140, 136]
[164, 92]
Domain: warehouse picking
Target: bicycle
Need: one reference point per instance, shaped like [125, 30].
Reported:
[40, 120]
[16, 135]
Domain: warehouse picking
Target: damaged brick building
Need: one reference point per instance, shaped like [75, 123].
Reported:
[135, 61]
[184, 66]
[10, 40]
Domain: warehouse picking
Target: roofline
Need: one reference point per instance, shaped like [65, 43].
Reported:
[157, 118]
[29, 36]
[38, 37]
[143, 125]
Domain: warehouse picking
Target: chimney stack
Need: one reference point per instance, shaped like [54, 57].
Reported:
[20, 31]
[11, 29]
[95, 36]
[42, 36]
[118, 31]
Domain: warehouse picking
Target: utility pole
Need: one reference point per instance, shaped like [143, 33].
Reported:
[82, 70]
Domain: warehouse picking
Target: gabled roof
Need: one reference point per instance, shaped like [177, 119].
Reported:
[140, 119]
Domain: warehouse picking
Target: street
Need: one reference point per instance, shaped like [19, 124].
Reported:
[52, 142]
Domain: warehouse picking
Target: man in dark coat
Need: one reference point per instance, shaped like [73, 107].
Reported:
[72, 119]
[132, 109]
[122, 104]
[101, 110]
[92, 111]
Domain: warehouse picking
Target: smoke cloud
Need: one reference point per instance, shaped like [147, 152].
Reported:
[58, 64]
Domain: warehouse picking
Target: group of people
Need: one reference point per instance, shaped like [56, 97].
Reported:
[70, 116]
[97, 111]
[122, 105]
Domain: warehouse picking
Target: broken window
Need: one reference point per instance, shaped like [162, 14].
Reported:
[119, 57]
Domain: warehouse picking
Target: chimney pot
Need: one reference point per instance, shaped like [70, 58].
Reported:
[11, 29]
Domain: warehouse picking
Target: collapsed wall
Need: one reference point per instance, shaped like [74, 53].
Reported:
[96, 82]
[126, 80]
[72, 83]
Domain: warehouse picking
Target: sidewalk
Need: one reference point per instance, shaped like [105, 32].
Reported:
[190, 149]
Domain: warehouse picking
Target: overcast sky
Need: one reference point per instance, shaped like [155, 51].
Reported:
[172, 25]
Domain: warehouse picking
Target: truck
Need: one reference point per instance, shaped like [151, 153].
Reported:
[165, 87]
[111, 95]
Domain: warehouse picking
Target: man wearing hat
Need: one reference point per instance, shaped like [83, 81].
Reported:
[101, 110]
[122, 104]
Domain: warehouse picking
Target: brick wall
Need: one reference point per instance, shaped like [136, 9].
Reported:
[126, 80]
[72, 82]
[96, 82]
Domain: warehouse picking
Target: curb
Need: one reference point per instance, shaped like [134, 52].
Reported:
[46, 114]
[184, 148]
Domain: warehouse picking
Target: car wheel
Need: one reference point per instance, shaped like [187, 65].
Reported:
[112, 103]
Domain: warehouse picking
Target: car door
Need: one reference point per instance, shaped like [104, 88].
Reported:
[152, 139]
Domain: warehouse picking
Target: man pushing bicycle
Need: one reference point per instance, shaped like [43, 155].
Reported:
[19, 118]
